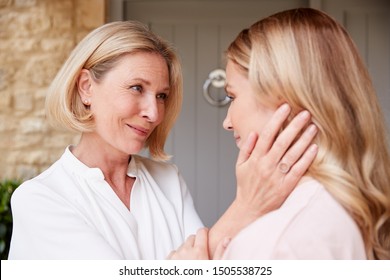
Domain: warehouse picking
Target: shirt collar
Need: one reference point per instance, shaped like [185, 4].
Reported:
[74, 164]
[132, 170]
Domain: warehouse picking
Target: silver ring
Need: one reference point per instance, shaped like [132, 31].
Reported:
[284, 167]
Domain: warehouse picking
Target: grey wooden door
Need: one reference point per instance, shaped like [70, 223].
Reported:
[201, 31]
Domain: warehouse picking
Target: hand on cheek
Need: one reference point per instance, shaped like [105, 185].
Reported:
[269, 167]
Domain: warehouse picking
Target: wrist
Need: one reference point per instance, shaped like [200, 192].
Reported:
[250, 205]
[244, 213]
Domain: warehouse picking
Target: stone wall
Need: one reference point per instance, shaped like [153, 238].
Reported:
[36, 36]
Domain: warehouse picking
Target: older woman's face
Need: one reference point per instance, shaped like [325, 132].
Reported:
[246, 112]
[129, 102]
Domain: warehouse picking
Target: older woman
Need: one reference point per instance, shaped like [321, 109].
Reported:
[121, 88]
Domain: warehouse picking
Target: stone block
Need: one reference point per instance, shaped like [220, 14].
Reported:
[35, 22]
[7, 124]
[33, 125]
[39, 70]
[90, 13]
[23, 141]
[23, 100]
[59, 140]
[36, 157]
[4, 78]
[62, 21]
[21, 45]
[5, 3]
[62, 7]
[59, 44]
[5, 100]
[25, 3]
[6, 140]
[7, 171]
[25, 172]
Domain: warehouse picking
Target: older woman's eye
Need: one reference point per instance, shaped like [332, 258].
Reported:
[136, 88]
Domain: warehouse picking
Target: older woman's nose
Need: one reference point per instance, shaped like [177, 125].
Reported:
[150, 109]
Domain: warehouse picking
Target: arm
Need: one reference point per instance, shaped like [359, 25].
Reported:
[261, 186]
[46, 227]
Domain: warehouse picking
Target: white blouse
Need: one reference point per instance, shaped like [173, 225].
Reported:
[310, 224]
[70, 212]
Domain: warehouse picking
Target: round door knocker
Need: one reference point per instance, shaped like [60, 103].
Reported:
[217, 78]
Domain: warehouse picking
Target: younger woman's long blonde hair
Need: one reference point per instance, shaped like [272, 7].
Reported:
[305, 58]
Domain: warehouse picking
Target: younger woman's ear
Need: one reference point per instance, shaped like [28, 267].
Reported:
[84, 82]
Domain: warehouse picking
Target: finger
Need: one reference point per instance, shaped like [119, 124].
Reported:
[189, 241]
[247, 148]
[171, 255]
[201, 239]
[271, 130]
[300, 146]
[221, 247]
[300, 167]
[289, 135]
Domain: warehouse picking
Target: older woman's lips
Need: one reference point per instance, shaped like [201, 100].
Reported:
[139, 130]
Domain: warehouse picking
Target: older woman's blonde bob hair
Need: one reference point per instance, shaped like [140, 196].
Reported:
[99, 52]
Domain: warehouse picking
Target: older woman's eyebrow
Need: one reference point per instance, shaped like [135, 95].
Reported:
[148, 83]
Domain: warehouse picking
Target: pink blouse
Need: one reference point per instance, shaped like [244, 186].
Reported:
[311, 224]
